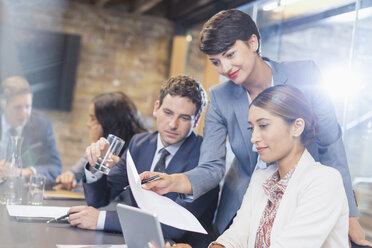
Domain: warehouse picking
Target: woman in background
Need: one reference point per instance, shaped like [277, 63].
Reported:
[294, 202]
[109, 113]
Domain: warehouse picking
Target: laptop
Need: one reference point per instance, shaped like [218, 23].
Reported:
[141, 229]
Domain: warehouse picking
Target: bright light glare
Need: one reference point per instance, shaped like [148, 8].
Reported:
[340, 83]
[274, 5]
[288, 2]
[270, 6]
[188, 38]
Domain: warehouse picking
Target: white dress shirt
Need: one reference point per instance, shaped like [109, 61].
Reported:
[93, 177]
[5, 135]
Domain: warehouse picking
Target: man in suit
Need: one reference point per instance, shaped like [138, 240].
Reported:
[231, 40]
[177, 111]
[39, 152]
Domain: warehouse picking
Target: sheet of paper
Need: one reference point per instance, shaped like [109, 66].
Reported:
[36, 211]
[167, 211]
[91, 246]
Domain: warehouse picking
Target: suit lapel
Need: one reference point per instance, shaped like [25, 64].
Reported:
[288, 203]
[144, 158]
[278, 75]
[181, 155]
[241, 108]
[28, 130]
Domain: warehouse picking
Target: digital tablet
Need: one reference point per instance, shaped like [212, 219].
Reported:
[140, 228]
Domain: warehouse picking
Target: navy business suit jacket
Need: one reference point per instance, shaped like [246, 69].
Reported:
[142, 148]
[39, 148]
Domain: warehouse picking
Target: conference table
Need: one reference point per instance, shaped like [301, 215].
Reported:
[17, 234]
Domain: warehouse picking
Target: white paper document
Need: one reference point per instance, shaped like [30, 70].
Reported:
[167, 211]
[36, 211]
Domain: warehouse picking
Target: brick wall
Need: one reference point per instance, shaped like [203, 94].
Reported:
[119, 51]
[195, 59]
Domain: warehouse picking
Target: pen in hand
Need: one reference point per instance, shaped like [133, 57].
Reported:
[58, 218]
[145, 181]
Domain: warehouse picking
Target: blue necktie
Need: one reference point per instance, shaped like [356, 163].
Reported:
[160, 165]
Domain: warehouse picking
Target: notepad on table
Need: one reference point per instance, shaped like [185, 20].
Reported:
[63, 195]
[27, 211]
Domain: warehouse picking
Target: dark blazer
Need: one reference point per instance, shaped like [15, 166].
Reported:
[142, 148]
[39, 148]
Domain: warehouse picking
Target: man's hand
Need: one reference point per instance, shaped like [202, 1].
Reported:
[98, 150]
[167, 183]
[83, 217]
[3, 169]
[356, 233]
[67, 180]
[26, 172]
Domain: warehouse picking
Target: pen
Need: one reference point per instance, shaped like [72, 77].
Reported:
[58, 218]
[145, 181]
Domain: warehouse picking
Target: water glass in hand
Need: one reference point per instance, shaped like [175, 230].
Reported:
[104, 163]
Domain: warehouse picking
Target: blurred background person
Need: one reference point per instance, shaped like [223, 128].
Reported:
[39, 152]
[109, 113]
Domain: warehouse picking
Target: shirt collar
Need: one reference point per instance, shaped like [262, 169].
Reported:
[172, 149]
[272, 84]
[5, 127]
[272, 77]
[275, 184]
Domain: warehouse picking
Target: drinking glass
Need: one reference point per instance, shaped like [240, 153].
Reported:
[115, 144]
[36, 189]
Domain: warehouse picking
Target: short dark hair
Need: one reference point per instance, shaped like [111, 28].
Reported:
[223, 29]
[14, 86]
[184, 86]
[289, 103]
[118, 115]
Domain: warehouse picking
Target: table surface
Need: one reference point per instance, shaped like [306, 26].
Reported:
[14, 234]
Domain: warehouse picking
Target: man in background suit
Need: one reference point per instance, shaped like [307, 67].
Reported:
[177, 111]
[39, 152]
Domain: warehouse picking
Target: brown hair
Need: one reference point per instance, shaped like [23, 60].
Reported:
[289, 103]
[14, 86]
[185, 86]
[223, 29]
[118, 115]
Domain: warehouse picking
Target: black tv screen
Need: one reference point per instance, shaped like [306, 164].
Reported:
[48, 60]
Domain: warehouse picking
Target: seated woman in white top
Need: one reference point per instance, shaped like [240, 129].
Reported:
[294, 202]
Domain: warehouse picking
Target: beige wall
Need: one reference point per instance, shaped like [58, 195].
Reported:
[118, 52]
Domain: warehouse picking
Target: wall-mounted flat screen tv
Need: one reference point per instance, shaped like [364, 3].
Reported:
[48, 60]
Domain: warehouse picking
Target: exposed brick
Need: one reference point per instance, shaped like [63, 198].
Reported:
[131, 49]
